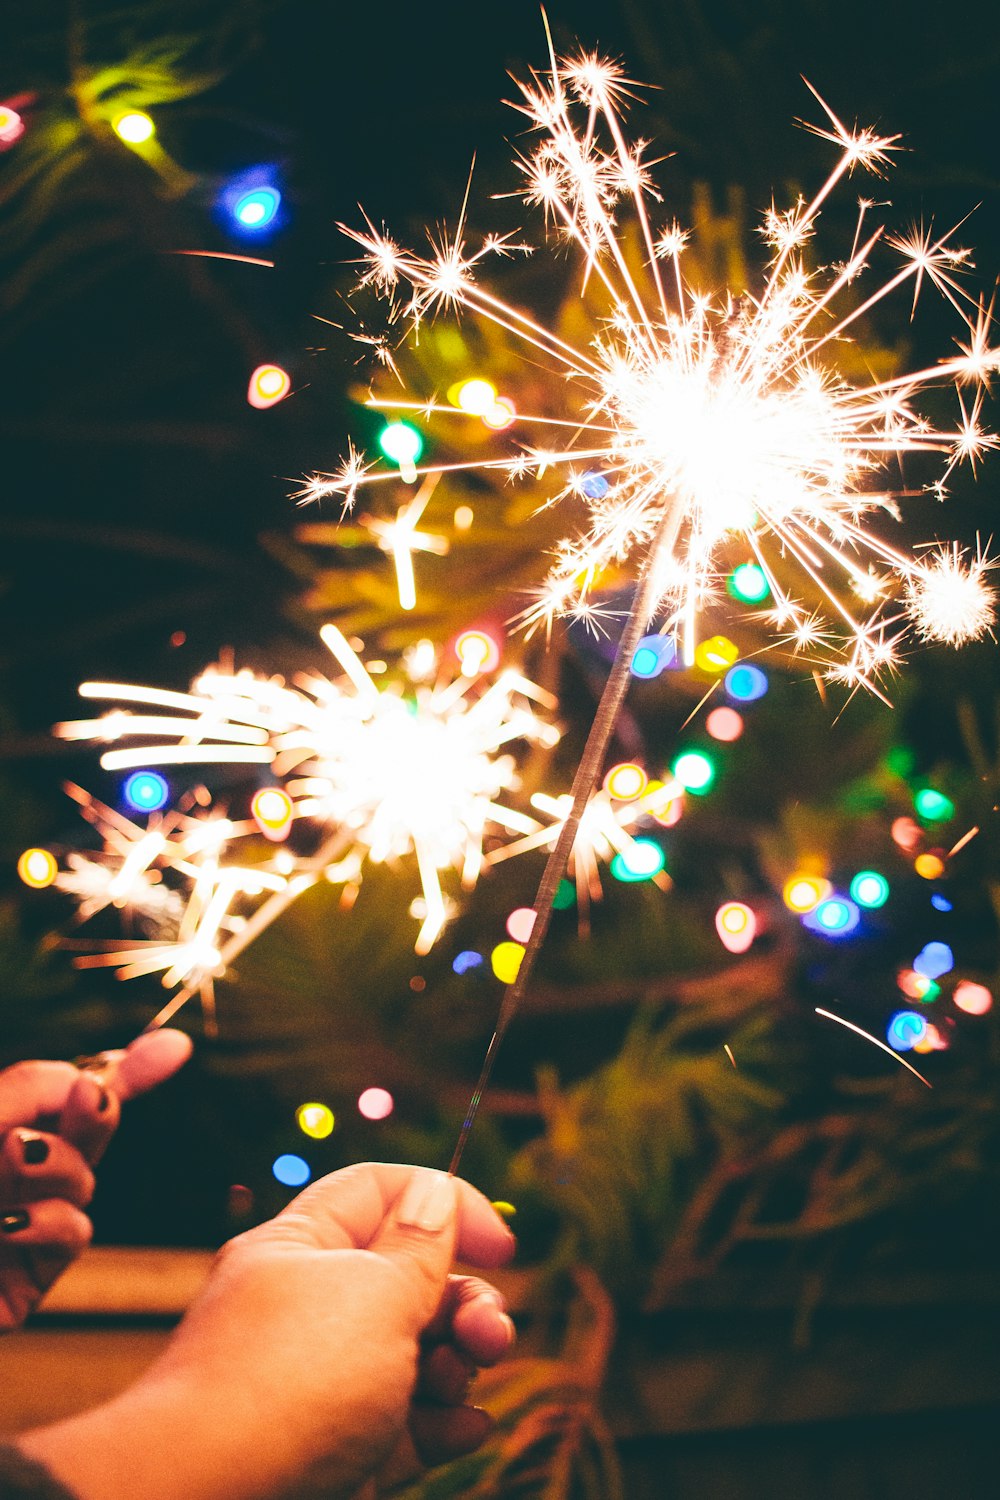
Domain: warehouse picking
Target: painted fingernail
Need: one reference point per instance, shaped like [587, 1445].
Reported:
[12, 1222]
[103, 1101]
[34, 1149]
[428, 1203]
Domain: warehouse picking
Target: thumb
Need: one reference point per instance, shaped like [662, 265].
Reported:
[418, 1235]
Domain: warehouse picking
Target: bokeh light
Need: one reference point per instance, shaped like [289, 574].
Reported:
[834, 917]
[268, 385]
[376, 1104]
[37, 868]
[402, 443]
[736, 925]
[905, 1030]
[642, 860]
[929, 866]
[653, 655]
[724, 724]
[934, 959]
[505, 961]
[315, 1120]
[974, 999]
[716, 654]
[695, 771]
[933, 806]
[870, 889]
[146, 791]
[520, 924]
[594, 485]
[918, 986]
[625, 782]
[11, 126]
[272, 808]
[748, 583]
[941, 903]
[745, 683]
[291, 1170]
[501, 415]
[476, 396]
[802, 893]
[257, 209]
[565, 896]
[906, 834]
[134, 127]
[466, 960]
[477, 651]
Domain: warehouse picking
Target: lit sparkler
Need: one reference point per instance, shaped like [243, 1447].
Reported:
[709, 421]
[378, 775]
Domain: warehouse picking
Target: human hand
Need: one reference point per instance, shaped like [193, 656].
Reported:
[55, 1123]
[320, 1340]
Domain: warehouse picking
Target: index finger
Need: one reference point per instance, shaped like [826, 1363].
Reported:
[35, 1092]
[149, 1060]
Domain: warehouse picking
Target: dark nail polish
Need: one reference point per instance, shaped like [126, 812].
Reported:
[34, 1150]
[12, 1222]
[103, 1101]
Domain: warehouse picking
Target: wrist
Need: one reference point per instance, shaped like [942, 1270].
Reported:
[155, 1442]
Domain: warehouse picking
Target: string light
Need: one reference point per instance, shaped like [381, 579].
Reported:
[803, 893]
[974, 999]
[315, 1120]
[468, 959]
[834, 917]
[653, 655]
[505, 960]
[905, 1030]
[933, 806]
[870, 889]
[695, 771]
[933, 960]
[291, 1170]
[146, 791]
[736, 925]
[716, 655]
[748, 583]
[745, 683]
[724, 724]
[376, 1104]
[520, 923]
[643, 859]
[37, 868]
[625, 781]
[272, 811]
[134, 127]
[268, 385]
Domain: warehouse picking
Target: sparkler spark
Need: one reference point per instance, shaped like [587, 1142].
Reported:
[379, 776]
[713, 423]
[842, 1021]
[717, 422]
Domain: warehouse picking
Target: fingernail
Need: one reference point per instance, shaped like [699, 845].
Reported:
[19, 1219]
[428, 1203]
[34, 1150]
[103, 1101]
[508, 1324]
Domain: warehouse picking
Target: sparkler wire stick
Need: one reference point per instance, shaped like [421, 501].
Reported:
[583, 784]
[271, 909]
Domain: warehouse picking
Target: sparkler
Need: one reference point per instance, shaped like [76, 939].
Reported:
[700, 424]
[378, 775]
